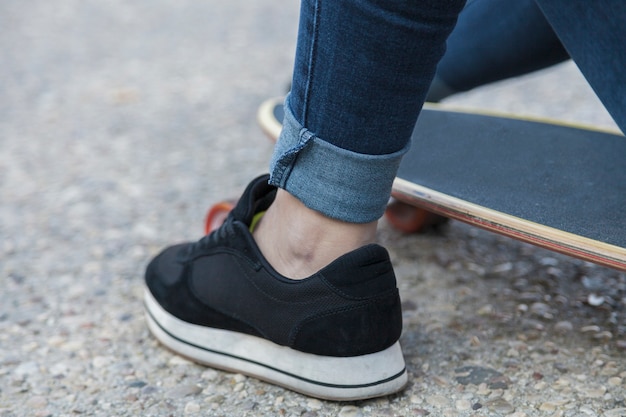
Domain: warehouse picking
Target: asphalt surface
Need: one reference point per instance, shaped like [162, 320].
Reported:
[122, 122]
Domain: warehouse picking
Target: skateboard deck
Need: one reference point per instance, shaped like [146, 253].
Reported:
[558, 186]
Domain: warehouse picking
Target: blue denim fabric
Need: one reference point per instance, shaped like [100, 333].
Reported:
[361, 73]
[363, 68]
[339, 183]
[594, 34]
[498, 39]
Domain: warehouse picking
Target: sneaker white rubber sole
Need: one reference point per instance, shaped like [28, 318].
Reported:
[333, 378]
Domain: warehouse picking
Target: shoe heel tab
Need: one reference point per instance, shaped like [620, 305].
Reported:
[364, 273]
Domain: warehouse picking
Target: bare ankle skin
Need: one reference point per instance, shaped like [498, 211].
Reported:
[298, 241]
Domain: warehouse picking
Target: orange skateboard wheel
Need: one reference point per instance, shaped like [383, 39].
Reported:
[217, 214]
[410, 219]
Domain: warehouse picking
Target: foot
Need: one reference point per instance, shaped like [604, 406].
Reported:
[298, 241]
[333, 335]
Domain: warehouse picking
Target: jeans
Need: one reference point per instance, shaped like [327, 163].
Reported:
[363, 67]
[594, 34]
[361, 73]
[498, 39]
[495, 40]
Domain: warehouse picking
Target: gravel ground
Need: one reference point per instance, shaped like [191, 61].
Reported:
[121, 122]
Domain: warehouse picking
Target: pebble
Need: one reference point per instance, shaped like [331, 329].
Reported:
[101, 361]
[416, 399]
[149, 390]
[314, 404]
[513, 353]
[58, 369]
[137, 384]
[610, 369]
[593, 283]
[485, 310]
[176, 360]
[542, 310]
[589, 411]
[592, 392]
[604, 335]
[183, 390]
[215, 399]
[248, 405]
[590, 329]
[595, 300]
[500, 405]
[615, 381]
[483, 390]
[561, 367]
[563, 327]
[463, 405]
[26, 369]
[437, 401]
[210, 375]
[561, 384]
[479, 375]
[36, 402]
[192, 408]
[551, 406]
[350, 411]
[238, 378]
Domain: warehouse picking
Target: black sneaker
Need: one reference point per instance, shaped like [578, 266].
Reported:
[333, 335]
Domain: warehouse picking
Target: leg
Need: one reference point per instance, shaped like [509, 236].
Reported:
[593, 33]
[235, 299]
[498, 39]
[495, 40]
[355, 98]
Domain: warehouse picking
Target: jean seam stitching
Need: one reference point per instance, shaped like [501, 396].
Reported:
[311, 62]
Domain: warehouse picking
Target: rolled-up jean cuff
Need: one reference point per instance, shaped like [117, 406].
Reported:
[336, 182]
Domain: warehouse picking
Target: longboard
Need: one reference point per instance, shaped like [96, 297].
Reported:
[558, 186]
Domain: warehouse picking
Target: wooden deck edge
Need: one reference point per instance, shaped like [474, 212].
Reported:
[512, 226]
[265, 118]
[521, 117]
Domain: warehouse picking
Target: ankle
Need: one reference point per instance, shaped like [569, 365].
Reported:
[298, 241]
